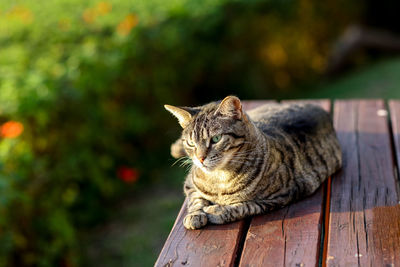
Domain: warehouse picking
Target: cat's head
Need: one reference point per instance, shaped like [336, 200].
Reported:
[212, 133]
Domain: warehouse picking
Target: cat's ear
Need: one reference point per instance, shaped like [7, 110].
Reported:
[183, 114]
[231, 107]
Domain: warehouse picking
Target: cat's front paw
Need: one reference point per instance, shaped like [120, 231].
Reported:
[214, 209]
[216, 214]
[195, 220]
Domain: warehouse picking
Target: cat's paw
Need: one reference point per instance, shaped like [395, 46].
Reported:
[216, 214]
[214, 209]
[195, 220]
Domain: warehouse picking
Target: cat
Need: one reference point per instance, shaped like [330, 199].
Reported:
[250, 163]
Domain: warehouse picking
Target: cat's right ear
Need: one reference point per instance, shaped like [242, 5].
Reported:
[231, 107]
[183, 114]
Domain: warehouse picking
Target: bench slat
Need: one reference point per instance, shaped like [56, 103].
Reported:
[290, 236]
[214, 245]
[364, 215]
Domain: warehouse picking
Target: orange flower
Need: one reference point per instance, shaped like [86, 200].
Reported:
[89, 15]
[103, 8]
[125, 26]
[275, 54]
[11, 129]
[22, 13]
[127, 174]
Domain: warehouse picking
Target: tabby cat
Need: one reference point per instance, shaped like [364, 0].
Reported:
[250, 163]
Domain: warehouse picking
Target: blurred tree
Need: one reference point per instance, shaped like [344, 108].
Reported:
[377, 32]
[82, 85]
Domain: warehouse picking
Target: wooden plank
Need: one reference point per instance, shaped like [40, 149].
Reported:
[248, 105]
[290, 236]
[364, 221]
[324, 103]
[214, 245]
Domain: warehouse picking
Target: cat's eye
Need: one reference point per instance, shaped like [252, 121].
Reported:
[216, 138]
[189, 143]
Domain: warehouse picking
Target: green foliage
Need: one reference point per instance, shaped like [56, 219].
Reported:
[87, 79]
[378, 80]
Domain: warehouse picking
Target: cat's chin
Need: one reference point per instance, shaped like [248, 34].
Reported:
[205, 169]
[201, 166]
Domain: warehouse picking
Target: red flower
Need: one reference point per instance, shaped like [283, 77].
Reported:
[127, 174]
[11, 129]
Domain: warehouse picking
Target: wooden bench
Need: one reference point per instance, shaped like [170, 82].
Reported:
[352, 220]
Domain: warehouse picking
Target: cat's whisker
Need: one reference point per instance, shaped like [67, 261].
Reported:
[186, 162]
[188, 168]
[179, 160]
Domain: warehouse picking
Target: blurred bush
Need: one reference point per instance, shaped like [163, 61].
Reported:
[82, 85]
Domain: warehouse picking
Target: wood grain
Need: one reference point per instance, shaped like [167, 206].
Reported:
[364, 216]
[290, 236]
[214, 245]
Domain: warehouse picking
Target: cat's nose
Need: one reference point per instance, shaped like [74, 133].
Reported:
[201, 154]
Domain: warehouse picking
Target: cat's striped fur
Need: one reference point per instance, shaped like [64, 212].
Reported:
[261, 160]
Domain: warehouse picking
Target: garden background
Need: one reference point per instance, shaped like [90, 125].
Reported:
[86, 178]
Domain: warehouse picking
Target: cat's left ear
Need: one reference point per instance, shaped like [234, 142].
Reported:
[231, 107]
[183, 114]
